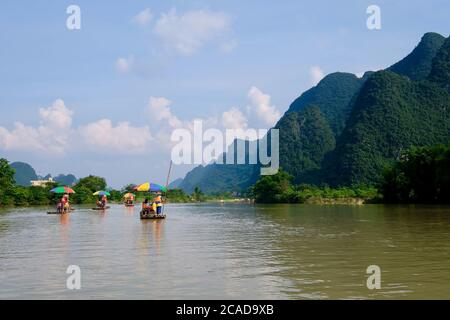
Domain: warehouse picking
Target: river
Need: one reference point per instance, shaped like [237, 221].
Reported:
[228, 251]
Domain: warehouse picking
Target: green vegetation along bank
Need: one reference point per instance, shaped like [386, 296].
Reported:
[14, 193]
[420, 175]
[279, 188]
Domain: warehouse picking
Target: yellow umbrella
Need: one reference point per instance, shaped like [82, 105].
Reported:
[143, 187]
[152, 187]
[102, 193]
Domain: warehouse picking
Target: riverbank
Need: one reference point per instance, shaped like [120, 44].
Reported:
[337, 201]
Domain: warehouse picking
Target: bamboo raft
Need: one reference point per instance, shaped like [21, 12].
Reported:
[62, 212]
[101, 209]
[152, 216]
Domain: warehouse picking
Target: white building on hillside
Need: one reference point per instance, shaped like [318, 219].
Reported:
[41, 183]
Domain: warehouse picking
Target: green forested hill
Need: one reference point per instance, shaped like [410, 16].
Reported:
[370, 120]
[315, 113]
[417, 65]
[305, 138]
[390, 115]
[216, 178]
[332, 96]
[24, 173]
[440, 72]
[65, 180]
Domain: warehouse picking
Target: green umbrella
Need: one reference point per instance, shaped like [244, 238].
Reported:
[62, 190]
[152, 187]
[102, 193]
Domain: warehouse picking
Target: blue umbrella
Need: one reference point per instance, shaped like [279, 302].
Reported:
[152, 187]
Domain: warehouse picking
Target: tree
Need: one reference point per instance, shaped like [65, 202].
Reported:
[93, 183]
[177, 195]
[86, 187]
[21, 196]
[421, 175]
[116, 195]
[83, 195]
[40, 196]
[7, 182]
[198, 194]
[274, 188]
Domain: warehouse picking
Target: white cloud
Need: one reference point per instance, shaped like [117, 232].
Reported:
[234, 119]
[261, 105]
[160, 110]
[124, 65]
[144, 17]
[123, 137]
[316, 74]
[50, 136]
[55, 135]
[58, 115]
[188, 32]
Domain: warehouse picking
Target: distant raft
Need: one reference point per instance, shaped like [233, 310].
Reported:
[152, 216]
[101, 209]
[61, 212]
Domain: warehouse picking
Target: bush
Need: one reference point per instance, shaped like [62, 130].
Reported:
[421, 175]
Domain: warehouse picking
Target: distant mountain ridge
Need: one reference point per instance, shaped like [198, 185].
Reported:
[175, 184]
[390, 115]
[25, 173]
[332, 95]
[346, 129]
[336, 89]
[417, 65]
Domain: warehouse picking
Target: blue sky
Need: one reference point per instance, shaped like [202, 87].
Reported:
[203, 57]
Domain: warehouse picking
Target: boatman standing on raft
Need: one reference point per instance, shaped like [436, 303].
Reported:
[159, 203]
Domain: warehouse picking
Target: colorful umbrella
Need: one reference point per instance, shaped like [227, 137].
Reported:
[152, 187]
[102, 193]
[62, 190]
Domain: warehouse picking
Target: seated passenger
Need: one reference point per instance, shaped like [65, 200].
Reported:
[65, 205]
[146, 207]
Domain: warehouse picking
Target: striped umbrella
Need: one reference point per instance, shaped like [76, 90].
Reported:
[62, 190]
[152, 187]
[102, 193]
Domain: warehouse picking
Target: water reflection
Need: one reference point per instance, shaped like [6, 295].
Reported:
[151, 234]
[65, 220]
